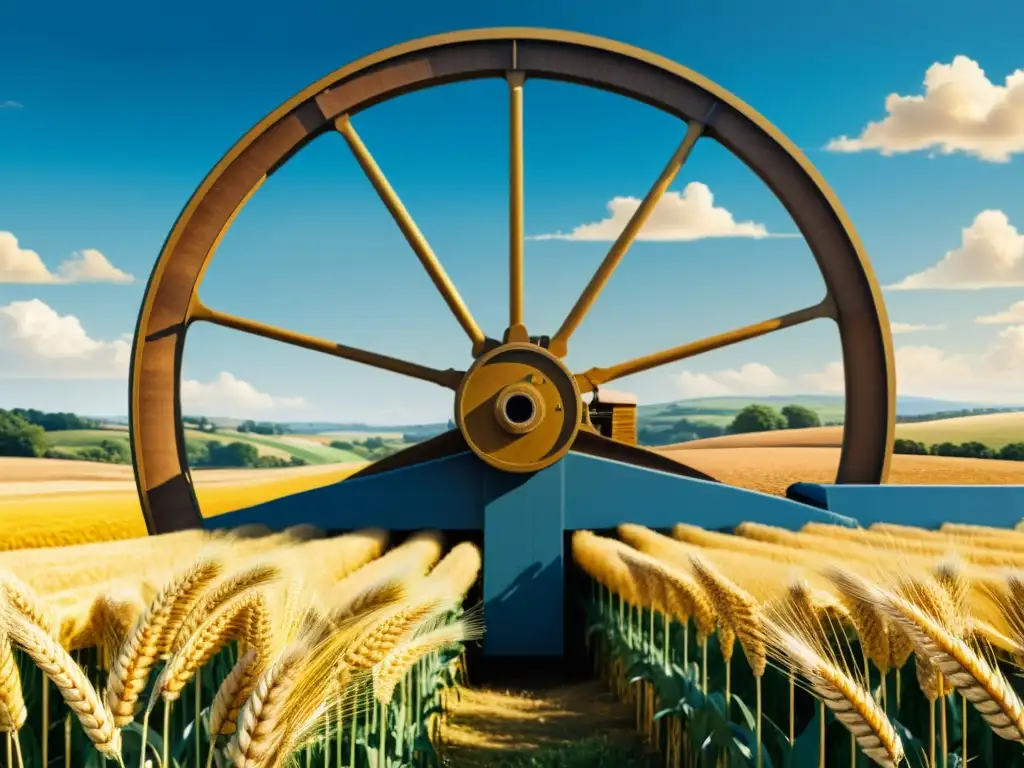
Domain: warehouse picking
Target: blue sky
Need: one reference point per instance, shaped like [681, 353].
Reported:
[112, 113]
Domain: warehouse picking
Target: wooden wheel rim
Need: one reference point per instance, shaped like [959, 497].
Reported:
[170, 303]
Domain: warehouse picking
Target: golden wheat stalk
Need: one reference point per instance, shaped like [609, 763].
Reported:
[258, 732]
[383, 634]
[13, 711]
[232, 689]
[215, 597]
[73, 684]
[226, 623]
[737, 609]
[389, 671]
[23, 599]
[980, 683]
[152, 633]
[683, 596]
[850, 701]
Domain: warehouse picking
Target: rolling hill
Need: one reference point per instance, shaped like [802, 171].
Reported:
[994, 430]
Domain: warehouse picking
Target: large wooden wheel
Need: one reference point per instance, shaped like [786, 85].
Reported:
[517, 406]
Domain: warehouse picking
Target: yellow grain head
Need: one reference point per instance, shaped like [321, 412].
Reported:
[737, 610]
[460, 567]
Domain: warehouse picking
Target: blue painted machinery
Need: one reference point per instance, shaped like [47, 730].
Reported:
[530, 458]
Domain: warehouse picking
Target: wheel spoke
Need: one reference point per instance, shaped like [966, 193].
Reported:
[412, 234]
[449, 378]
[560, 341]
[590, 380]
[516, 229]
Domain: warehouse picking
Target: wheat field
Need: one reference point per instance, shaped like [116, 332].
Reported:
[198, 649]
[894, 645]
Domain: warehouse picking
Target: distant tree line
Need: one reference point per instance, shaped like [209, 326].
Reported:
[969, 450]
[262, 428]
[752, 418]
[198, 423]
[372, 448]
[215, 454]
[54, 422]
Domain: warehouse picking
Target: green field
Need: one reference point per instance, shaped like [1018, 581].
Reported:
[281, 446]
[994, 430]
[722, 410]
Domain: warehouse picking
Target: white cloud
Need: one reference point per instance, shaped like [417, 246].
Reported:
[913, 327]
[20, 265]
[960, 111]
[1014, 314]
[230, 396]
[37, 342]
[991, 255]
[11, 104]
[830, 379]
[992, 375]
[690, 215]
[748, 379]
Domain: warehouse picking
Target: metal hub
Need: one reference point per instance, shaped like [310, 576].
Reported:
[519, 408]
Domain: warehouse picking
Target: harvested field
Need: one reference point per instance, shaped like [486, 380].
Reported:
[772, 470]
[993, 429]
[487, 725]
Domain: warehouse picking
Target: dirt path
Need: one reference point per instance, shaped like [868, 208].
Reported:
[488, 725]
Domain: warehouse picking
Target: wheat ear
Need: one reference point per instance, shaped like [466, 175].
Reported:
[216, 596]
[13, 711]
[71, 681]
[259, 639]
[143, 645]
[25, 601]
[231, 690]
[258, 734]
[683, 597]
[225, 624]
[852, 704]
[738, 610]
[381, 636]
[390, 670]
[976, 680]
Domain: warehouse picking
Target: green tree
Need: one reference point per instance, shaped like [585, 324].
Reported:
[341, 445]
[757, 418]
[234, 454]
[975, 450]
[799, 417]
[20, 438]
[909, 446]
[1012, 452]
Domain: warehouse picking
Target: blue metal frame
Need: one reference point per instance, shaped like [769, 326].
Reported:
[524, 518]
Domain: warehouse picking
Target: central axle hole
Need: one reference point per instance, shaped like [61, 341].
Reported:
[519, 409]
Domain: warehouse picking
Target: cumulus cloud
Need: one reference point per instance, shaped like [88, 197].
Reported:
[690, 215]
[991, 375]
[1014, 314]
[961, 110]
[227, 395]
[21, 265]
[748, 379]
[991, 255]
[11, 104]
[37, 342]
[913, 327]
